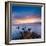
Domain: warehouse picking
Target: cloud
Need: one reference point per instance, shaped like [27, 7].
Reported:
[27, 19]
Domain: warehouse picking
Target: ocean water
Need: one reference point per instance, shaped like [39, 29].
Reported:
[15, 32]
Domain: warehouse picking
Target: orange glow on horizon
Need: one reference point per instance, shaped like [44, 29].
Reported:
[26, 20]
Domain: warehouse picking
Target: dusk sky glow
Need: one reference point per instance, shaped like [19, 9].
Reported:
[26, 14]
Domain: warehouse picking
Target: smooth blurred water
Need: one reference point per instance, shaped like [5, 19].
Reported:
[15, 33]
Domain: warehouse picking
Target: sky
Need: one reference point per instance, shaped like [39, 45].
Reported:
[25, 14]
